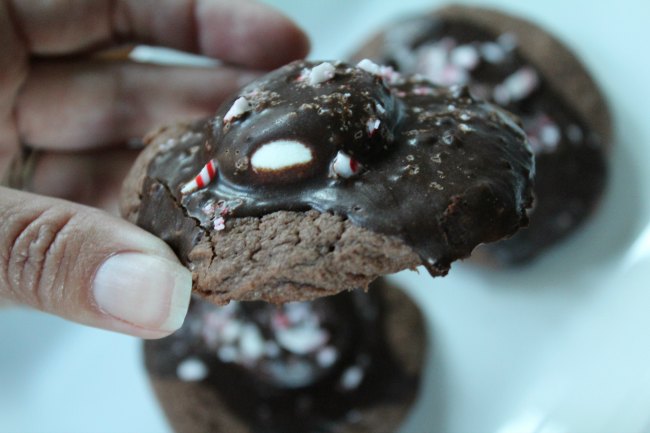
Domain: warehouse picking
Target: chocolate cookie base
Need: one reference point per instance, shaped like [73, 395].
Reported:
[431, 173]
[280, 257]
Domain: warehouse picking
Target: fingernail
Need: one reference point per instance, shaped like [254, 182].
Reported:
[143, 290]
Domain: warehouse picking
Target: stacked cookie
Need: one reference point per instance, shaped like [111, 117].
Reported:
[322, 176]
[347, 363]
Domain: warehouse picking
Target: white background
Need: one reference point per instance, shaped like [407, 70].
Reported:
[560, 346]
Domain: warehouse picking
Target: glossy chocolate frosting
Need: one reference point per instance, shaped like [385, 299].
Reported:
[431, 165]
[491, 54]
[299, 367]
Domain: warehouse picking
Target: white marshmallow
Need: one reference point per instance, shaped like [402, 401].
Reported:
[281, 155]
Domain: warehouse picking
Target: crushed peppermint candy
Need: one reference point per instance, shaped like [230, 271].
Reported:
[327, 356]
[218, 211]
[543, 132]
[465, 56]
[209, 208]
[344, 166]
[445, 65]
[297, 330]
[389, 74]
[373, 125]
[191, 370]
[517, 86]
[271, 349]
[167, 145]
[221, 208]
[201, 180]
[290, 350]
[422, 91]
[550, 135]
[231, 331]
[320, 74]
[228, 354]
[301, 339]
[369, 66]
[251, 343]
[352, 377]
[493, 52]
[219, 224]
[240, 107]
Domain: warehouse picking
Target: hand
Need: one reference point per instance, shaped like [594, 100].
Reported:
[76, 261]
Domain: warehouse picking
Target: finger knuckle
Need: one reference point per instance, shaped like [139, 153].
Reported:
[35, 254]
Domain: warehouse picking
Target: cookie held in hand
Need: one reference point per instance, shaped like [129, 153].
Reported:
[322, 176]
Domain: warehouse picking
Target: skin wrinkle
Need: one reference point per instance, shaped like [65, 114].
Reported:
[14, 258]
[27, 262]
[20, 222]
[47, 291]
[34, 246]
[59, 277]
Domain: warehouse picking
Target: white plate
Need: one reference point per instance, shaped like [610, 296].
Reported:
[560, 346]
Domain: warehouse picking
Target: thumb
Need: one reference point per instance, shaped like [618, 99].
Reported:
[85, 265]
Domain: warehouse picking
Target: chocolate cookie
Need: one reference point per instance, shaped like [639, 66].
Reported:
[319, 177]
[519, 66]
[346, 363]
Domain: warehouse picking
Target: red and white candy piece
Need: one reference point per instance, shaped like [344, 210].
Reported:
[205, 176]
[372, 125]
[344, 166]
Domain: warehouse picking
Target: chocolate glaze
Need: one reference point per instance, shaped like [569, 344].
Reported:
[431, 159]
[454, 49]
[339, 363]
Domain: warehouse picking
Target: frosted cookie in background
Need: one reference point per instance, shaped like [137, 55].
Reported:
[524, 69]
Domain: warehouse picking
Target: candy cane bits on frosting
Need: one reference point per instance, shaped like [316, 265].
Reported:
[205, 176]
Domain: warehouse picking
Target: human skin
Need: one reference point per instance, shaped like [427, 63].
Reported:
[58, 96]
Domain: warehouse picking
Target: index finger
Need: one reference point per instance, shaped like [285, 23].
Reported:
[240, 32]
